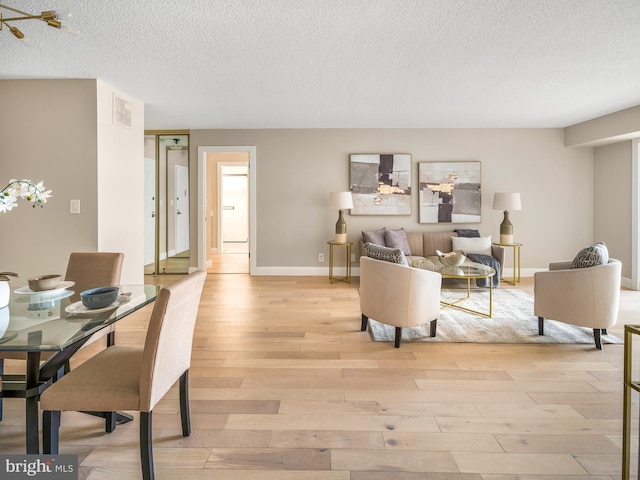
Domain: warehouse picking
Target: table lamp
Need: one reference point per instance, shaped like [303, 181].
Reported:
[340, 201]
[507, 202]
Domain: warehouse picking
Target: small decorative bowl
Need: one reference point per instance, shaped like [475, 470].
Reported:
[99, 297]
[452, 259]
[44, 282]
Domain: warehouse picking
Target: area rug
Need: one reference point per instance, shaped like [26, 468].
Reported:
[513, 321]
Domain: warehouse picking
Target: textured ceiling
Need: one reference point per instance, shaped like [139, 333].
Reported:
[345, 63]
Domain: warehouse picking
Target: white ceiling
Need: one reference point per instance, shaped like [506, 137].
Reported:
[345, 63]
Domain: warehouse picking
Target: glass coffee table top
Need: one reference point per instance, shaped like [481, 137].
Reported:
[468, 269]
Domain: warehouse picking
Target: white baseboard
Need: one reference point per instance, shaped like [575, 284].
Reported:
[305, 271]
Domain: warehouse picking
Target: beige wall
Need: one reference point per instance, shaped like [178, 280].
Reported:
[56, 131]
[612, 201]
[297, 168]
[615, 127]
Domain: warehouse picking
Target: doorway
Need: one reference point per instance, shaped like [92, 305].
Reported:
[224, 244]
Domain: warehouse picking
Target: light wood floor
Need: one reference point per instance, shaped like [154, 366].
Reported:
[285, 386]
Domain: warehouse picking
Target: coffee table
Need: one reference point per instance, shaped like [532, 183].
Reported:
[467, 271]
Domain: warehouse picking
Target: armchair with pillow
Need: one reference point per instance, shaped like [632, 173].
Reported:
[395, 294]
[583, 292]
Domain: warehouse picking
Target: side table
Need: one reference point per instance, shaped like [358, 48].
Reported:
[348, 246]
[516, 261]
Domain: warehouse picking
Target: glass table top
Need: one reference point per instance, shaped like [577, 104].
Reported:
[468, 269]
[51, 321]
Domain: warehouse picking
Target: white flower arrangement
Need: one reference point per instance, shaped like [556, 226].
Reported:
[32, 192]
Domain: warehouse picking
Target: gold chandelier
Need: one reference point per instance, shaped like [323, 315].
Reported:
[53, 18]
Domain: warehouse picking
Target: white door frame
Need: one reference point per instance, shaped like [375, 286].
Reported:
[202, 202]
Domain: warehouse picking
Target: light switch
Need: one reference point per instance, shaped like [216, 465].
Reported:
[74, 206]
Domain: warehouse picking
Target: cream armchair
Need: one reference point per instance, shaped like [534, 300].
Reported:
[587, 297]
[398, 295]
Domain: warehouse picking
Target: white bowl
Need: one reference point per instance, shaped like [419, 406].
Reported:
[452, 259]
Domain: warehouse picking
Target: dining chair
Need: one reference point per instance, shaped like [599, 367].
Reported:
[87, 270]
[134, 378]
[95, 269]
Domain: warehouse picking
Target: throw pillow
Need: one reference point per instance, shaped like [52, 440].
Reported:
[376, 237]
[477, 245]
[397, 239]
[393, 255]
[596, 254]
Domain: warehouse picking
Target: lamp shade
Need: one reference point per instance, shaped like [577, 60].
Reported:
[340, 200]
[506, 201]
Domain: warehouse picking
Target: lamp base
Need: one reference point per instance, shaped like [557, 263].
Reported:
[506, 239]
[340, 238]
[506, 230]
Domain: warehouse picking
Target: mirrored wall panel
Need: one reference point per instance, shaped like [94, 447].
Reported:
[166, 190]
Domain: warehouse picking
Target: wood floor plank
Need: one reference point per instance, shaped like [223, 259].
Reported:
[518, 463]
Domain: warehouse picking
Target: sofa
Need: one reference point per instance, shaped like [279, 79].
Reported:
[421, 244]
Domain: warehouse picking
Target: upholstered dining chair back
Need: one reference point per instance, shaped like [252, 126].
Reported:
[94, 269]
[167, 348]
[128, 378]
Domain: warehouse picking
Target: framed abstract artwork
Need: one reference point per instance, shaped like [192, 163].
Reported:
[449, 192]
[380, 184]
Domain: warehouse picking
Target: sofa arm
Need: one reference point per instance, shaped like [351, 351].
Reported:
[497, 252]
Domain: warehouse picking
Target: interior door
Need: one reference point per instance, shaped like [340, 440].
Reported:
[235, 211]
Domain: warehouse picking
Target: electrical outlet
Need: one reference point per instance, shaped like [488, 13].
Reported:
[353, 257]
[321, 257]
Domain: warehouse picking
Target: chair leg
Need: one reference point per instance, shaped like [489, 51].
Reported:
[398, 336]
[146, 447]
[110, 421]
[365, 322]
[540, 326]
[604, 331]
[111, 338]
[184, 404]
[1, 372]
[597, 338]
[433, 324]
[50, 431]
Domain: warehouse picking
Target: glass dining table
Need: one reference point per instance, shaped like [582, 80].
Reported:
[54, 323]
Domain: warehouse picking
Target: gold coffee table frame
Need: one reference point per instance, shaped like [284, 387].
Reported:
[467, 271]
